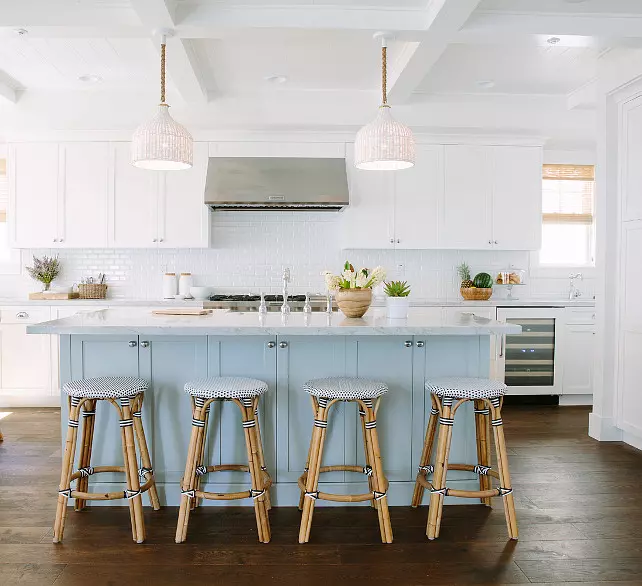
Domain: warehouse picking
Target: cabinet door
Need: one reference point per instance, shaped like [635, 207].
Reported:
[368, 222]
[25, 362]
[253, 357]
[418, 198]
[183, 217]
[83, 198]
[517, 198]
[33, 183]
[579, 341]
[466, 216]
[133, 205]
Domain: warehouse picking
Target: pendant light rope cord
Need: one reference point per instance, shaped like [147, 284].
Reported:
[384, 75]
[162, 72]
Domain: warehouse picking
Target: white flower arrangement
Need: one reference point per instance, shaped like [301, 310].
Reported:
[351, 279]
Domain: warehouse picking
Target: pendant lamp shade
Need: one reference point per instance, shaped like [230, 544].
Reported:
[162, 144]
[384, 144]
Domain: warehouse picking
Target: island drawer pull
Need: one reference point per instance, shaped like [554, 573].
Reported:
[421, 344]
[408, 344]
[271, 344]
[144, 344]
[133, 343]
[22, 315]
[283, 344]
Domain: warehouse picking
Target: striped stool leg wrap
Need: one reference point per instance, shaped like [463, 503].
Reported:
[73, 423]
[368, 403]
[495, 402]
[496, 422]
[446, 421]
[378, 495]
[256, 493]
[142, 471]
[250, 423]
[191, 494]
[130, 494]
[434, 411]
[447, 401]
[247, 402]
[126, 422]
[256, 411]
[428, 469]
[89, 413]
[314, 495]
[138, 414]
[199, 402]
[75, 401]
[86, 471]
[201, 471]
[481, 470]
[320, 423]
[362, 413]
[66, 492]
[323, 402]
[443, 491]
[367, 470]
[124, 401]
[371, 424]
[198, 422]
[504, 491]
[482, 411]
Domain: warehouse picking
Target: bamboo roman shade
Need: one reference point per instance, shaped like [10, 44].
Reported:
[568, 194]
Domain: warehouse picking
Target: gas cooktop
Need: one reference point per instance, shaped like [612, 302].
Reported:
[272, 302]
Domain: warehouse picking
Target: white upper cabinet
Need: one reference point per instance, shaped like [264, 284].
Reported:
[82, 214]
[133, 206]
[418, 196]
[517, 198]
[466, 216]
[183, 217]
[368, 222]
[492, 198]
[33, 194]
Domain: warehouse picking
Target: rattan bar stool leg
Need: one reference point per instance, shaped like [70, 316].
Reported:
[259, 439]
[88, 420]
[307, 461]
[441, 469]
[368, 456]
[312, 483]
[67, 470]
[143, 449]
[189, 478]
[256, 474]
[502, 468]
[426, 454]
[200, 450]
[379, 481]
[482, 434]
[131, 469]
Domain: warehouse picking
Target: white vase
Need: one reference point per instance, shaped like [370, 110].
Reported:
[397, 307]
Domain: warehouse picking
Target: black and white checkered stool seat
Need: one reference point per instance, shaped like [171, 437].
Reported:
[465, 387]
[226, 387]
[345, 388]
[106, 387]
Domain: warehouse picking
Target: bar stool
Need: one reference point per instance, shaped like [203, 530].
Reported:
[488, 397]
[126, 395]
[325, 393]
[245, 393]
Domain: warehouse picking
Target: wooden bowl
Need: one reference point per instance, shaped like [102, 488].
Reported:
[476, 294]
[354, 302]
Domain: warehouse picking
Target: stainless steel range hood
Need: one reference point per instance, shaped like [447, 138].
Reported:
[270, 183]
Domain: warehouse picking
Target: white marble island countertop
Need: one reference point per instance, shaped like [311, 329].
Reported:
[420, 322]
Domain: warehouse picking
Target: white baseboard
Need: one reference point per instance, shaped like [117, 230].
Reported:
[15, 401]
[604, 429]
[632, 440]
[569, 400]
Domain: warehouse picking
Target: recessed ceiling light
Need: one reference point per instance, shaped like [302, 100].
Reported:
[276, 79]
[485, 83]
[553, 40]
[21, 32]
[90, 78]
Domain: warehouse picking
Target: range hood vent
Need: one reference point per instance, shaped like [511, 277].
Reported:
[271, 183]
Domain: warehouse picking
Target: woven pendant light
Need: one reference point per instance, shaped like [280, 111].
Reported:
[162, 144]
[384, 144]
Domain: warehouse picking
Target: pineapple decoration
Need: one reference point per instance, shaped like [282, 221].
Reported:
[464, 274]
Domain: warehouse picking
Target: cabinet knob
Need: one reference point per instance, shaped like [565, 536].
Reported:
[61, 239]
[408, 344]
[496, 242]
[155, 240]
[133, 343]
[22, 315]
[55, 239]
[398, 241]
[283, 344]
[490, 242]
[144, 344]
[271, 345]
[421, 344]
[392, 241]
[161, 239]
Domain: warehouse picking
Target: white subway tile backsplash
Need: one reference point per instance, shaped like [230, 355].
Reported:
[250, 250]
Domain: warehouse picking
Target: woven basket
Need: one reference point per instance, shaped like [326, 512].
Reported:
[92, 291]
[476, 294]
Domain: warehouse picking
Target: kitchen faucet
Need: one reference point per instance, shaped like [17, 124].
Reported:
[574, 292]
[285, 308]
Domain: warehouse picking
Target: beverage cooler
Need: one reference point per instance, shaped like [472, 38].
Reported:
[530, 363]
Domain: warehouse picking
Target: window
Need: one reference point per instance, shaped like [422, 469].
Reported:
[568, 227]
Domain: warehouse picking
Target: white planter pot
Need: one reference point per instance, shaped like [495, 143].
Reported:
[397, 307]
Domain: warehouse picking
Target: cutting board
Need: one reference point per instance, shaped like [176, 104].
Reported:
[182, 311]
[52, 296]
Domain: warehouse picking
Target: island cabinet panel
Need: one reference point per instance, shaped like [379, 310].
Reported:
[299, 359]
[168, 362]
[244, 356]
[108, 355]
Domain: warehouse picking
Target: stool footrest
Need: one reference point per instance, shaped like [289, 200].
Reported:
[466, 468]
[231, 496]
[107, 496]
[341, 498]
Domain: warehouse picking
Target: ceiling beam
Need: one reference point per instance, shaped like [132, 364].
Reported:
[182, 65]
[443, 19]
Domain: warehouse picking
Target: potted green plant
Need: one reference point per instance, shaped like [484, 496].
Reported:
[353, 289]
[45, 270]
[397, 301]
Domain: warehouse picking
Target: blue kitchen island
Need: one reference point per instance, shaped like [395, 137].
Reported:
[284, 351]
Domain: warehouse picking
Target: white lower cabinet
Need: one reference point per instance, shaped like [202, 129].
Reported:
[579, 351]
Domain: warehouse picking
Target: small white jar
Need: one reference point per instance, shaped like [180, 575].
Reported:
[397, 307]
[185, 283]
[169, 286]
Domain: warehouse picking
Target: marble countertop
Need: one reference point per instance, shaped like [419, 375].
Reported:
[227, 323]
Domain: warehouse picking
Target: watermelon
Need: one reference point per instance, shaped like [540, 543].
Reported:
[483, 281]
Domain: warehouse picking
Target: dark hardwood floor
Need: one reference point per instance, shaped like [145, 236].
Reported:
[579, 513]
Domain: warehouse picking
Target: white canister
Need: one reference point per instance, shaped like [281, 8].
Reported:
[185, 283]
[397, 307]
[169, 285]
